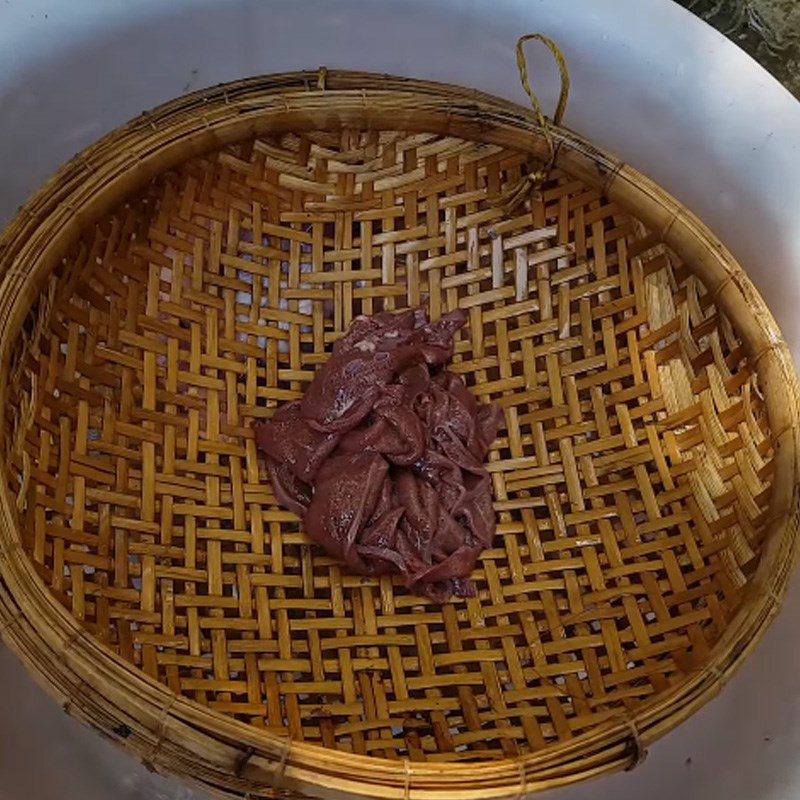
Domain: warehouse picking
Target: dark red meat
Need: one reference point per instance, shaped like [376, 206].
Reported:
[383, 456]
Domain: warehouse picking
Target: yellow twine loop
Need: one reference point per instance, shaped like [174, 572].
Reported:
[25, 415]
[639, 750]
[280, 770]
[161, 733]
[24, 421]
[534, 179]
[22, 495]
[523, 780]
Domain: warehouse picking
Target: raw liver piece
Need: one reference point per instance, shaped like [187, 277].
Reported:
[383, 456]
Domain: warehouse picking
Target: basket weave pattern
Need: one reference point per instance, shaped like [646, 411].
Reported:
[631, 484]
[190, 271]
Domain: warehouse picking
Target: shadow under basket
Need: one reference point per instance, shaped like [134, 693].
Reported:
[189, 272]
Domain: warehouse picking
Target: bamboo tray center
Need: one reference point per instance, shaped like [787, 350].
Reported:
[631, 484]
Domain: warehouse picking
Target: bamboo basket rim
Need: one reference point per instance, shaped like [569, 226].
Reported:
[83, 674]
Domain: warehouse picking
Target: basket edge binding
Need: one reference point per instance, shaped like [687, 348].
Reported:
[170, 732]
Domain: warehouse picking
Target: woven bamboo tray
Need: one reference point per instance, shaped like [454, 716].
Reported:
[188, 273]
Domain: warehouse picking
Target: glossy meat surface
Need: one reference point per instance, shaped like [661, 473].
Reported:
[383, 456]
